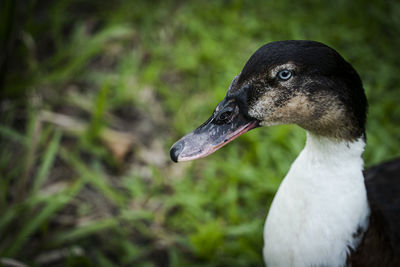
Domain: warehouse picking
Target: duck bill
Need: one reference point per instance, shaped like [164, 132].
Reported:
[212, 135]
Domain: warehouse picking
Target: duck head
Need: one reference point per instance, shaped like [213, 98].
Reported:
[287, 82]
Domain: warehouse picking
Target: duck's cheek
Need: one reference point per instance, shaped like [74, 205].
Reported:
[296, 109]
[263, 108]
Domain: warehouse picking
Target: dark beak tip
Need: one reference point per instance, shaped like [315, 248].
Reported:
[175, 151]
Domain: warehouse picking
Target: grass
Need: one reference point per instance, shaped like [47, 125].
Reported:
[94, 94]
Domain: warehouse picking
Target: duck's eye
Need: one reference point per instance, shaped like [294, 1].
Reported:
[284, 75]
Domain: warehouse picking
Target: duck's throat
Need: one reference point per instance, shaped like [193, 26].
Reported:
[319, 207]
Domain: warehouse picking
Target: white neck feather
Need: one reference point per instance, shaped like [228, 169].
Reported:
[320, 204]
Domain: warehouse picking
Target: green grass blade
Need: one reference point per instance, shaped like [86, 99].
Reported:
[86, 230]
[51, 206]
[7, 217]
[13, 135]
[47, 162]
[97, 114]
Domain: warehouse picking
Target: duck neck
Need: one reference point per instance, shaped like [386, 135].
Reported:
[319, 207]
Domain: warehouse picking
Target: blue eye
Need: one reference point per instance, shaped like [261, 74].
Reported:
[284, 75]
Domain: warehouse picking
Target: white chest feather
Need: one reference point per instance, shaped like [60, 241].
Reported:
[320, 204]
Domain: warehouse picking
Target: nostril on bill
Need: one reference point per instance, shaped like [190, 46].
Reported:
[176, 150]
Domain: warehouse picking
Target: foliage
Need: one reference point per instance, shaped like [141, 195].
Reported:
[95, 92]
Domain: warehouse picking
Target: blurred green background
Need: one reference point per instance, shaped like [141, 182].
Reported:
[93, 94]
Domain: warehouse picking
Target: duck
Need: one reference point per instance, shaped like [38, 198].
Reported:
[327, 211]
